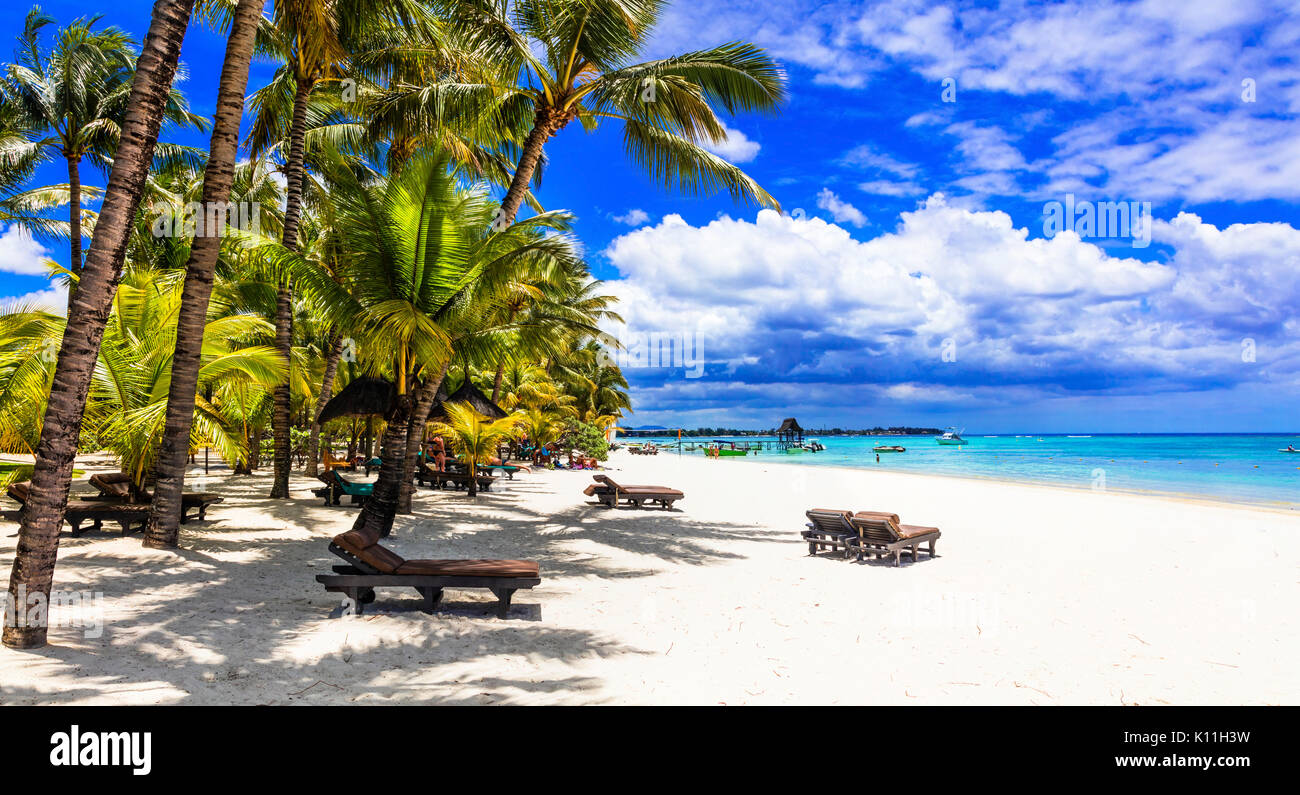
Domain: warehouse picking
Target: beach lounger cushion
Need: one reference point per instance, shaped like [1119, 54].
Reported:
[371, 565]
[369, 551]
[881, 533]
[128, 516]
[471, 568]
[609, 493]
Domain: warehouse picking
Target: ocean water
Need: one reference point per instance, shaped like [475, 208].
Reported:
[1231, 467]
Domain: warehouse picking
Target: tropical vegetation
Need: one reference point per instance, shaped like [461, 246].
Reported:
[366, 229]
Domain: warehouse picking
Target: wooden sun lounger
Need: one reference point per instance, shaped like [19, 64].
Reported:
[329, 462]
[127, 515]
[336, 486]
[371, 565]
[829, 529]
[432, 477]
[609, 493]
[118, 487]
[881, 533]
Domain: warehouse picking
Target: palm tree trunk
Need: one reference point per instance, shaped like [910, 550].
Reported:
[496, 382]
[163, 530]
[380, 508]
[419, 416]
[284, 299]
[74, 219]
[38, 532]
[545, 124]
[326, 390]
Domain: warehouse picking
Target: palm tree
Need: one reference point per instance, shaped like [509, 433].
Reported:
[38, 533]
[473, 437]
[77, 94]
[165, 514]
[315, 39]
[541, 64]
[410, 269]
[130, 394]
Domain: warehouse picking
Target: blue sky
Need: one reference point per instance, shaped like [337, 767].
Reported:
[910, 280]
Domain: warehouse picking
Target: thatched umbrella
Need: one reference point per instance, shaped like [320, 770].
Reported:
[364, 397]
[467, 393]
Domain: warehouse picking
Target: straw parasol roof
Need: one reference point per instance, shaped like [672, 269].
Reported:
[363, 397]
[467, 393]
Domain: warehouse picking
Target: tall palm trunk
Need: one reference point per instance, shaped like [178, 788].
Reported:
[546, 122]
[38, 533]
[74, 219]
[163, 530]
[326, 390]
[284, 299]
[414, 436]
[380, 508]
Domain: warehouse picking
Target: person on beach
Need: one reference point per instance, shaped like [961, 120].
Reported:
[439, 454]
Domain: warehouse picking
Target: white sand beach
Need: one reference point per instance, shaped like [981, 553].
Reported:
[1038, 596]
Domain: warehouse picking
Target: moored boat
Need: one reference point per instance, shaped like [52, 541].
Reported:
[889, 448]
[950, 436]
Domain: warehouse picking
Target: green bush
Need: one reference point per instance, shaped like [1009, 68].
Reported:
[586, 437]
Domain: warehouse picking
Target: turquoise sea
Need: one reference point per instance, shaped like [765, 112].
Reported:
[1232, 467]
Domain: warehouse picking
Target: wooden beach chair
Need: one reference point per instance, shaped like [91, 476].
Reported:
[338, 486]
[127, 515]
[456, 479]
[609, 493]
[118, 487]
[329, 462]
[881, 533]
[829, 529]
[371, 565]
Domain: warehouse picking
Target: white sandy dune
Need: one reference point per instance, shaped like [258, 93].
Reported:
[1039, 595]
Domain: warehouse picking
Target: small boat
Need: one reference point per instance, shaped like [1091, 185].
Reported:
[814, 446]
[721, 448]
[950, 436]
[889, 448]
[1288, 449]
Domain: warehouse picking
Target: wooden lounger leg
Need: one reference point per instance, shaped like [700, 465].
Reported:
[503, 600]
[932, 547]
[898, 554]
[432, 596]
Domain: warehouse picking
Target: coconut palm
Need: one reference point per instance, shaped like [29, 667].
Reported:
[76, 95]
[314, 39]
[165, 513]
[38, 532]
[473, 437]
[534, 66]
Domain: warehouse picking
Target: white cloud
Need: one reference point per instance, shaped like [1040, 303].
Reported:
[19, 253]
[799, 300]
[737, 148]
[53, 299]
[634, 217]
[840, 210]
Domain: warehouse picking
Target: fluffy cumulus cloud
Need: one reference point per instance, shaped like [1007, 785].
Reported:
[840, 210]
[955, 307]
[633, 217]
[19, 253]
[737, 147]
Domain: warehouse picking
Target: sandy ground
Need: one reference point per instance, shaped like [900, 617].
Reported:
[1039, 595]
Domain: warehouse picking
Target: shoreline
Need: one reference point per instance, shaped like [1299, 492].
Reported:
[1181, 496]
